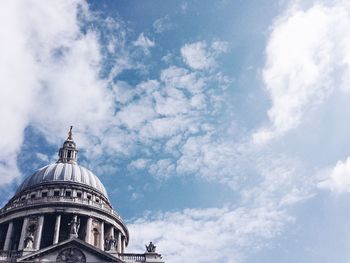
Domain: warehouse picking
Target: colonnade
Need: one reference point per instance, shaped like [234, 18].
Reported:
[112, 232]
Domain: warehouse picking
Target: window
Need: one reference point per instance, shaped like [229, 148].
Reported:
[68, 193]
[78, 194]
[32, 196]
[44, 194]
[56, 193]
[89, 197]
[23, 197]
[97, 200]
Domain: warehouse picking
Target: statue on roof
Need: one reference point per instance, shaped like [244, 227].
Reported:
[29, 241]
[151, 248]
[70, 133]
[110, 243]
[74, 227]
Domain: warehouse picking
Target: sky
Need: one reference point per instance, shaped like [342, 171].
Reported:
[219, 128]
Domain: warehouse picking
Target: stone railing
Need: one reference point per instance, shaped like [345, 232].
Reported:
[8, 254]
[59, 199]
[130, 257]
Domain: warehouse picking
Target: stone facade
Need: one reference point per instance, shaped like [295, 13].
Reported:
[62, 213]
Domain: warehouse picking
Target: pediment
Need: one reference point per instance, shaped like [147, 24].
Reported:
[71, 250]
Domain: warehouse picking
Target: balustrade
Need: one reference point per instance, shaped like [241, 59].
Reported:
[133, 257]
[5, 254]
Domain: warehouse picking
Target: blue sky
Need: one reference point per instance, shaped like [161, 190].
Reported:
[219, 128]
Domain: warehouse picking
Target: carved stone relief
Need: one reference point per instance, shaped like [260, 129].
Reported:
[71, 255]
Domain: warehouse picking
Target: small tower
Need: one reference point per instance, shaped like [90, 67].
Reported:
[68, 153]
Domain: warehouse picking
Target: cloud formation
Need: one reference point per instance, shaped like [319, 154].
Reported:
[307, 59]
[225, 234]
[162, 24]
[43, 56]
[338, 178]
[144, 42]
[46, 68]
[199, 56]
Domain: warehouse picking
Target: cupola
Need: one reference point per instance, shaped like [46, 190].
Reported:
[68, 152]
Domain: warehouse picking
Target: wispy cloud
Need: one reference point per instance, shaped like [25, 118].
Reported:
[162, 24]
[144, 42]
[199, 56]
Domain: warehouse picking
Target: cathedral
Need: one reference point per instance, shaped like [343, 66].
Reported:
[61, 213]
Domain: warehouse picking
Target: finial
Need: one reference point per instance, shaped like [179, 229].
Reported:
[70, 134]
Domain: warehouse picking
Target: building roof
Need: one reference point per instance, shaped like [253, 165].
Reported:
[63, 172]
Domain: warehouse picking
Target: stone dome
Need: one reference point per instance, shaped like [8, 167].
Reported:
[63, 172]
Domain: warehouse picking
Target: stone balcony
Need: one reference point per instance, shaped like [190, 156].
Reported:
[56, 200]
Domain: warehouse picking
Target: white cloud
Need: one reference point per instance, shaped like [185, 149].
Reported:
[219, 47]
[162, 168]
[338, 178]
[32, 35]
[51, 67]
[144, 42]
[139, 164]
[199, 56]
[226, 235]
[213, 160]
[196, 56]
[50, 77]
[168, 127]
[181, 78]
[42, 157]
[307, 59]
[136, 114]
[162, 24]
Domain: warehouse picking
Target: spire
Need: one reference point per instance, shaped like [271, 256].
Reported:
[68, 152]
[70, 134]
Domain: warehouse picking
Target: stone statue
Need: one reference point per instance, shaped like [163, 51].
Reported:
[110, 243]
[151, 248]
[74, 227]
[29, 241]
[70, 133]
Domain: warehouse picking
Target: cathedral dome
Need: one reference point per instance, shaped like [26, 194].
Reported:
[61, 213]
[63, 172]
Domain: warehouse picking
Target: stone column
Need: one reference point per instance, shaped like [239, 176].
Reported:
[102, 236]
[23, 233]
[123, 244]
[39, 231]
[119, 244]
[57, 229]
[111, 235]
[111, 232]
[8, 236]
[88, 230]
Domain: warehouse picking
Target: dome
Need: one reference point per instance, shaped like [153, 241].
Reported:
[63, 172]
